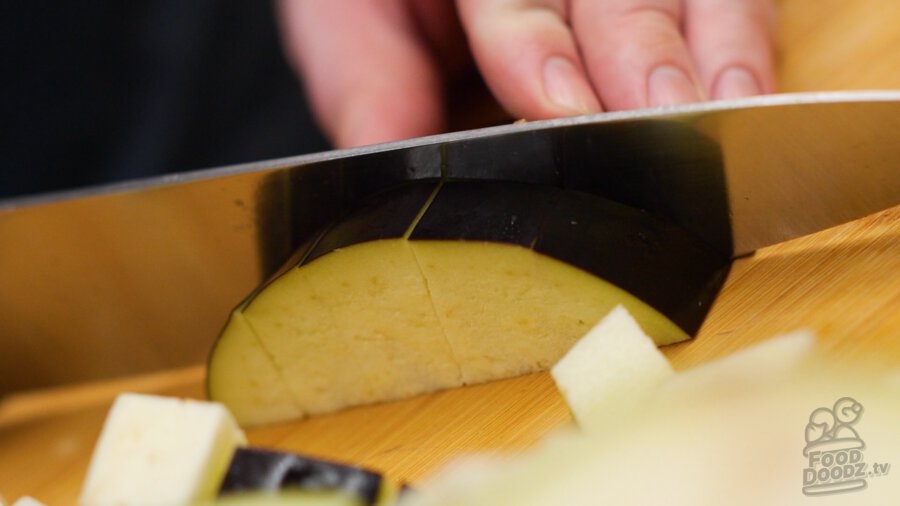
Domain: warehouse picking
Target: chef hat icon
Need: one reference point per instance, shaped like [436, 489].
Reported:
[831, 429]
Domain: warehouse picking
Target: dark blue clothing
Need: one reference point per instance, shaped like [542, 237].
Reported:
[101, 90]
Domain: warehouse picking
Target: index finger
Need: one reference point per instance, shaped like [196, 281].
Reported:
[528, 56]
[732, 45]
[367, 74]
[635, 53]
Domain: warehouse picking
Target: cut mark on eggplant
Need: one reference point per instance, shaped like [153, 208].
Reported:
[454, 355]
[424, 209]
[275, 367]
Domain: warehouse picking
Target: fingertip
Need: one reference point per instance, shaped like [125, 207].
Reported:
[528, 57]
[566, 86]
[736, 82]
[368, 75]
[670, 85]
[386, 117]
[635, 53]
[732, 46]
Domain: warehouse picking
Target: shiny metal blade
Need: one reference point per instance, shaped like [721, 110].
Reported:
[141, 276]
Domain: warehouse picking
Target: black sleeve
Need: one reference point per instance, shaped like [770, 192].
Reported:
[103, 90]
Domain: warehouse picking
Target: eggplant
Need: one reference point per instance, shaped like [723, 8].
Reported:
[441, 283]
[659, 262]
[259, 470]
[286, 498]
[388, 215]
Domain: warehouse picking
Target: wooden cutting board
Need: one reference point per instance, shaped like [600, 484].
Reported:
[844, 283]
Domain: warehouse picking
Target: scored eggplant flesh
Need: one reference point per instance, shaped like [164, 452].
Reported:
[437, 284]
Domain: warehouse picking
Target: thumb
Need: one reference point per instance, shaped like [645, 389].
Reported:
[368, 77]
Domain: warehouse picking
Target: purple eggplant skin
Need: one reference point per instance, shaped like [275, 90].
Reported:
[491, 211]
[658, 261]
[385, 215]
[258, 470]
[663, 264]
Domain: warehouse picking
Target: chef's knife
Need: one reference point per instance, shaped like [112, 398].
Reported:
[140, 276]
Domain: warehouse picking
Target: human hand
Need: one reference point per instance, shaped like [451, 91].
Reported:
[377, 70]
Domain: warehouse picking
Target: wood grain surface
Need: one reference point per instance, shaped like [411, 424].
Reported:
[844, 283]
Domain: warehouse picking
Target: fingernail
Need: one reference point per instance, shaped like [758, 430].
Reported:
[669, 85]
[736, 82]
[565, 86]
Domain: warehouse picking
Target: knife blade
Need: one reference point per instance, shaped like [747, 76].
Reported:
[139, 276]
